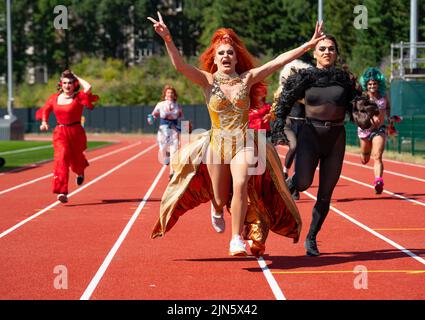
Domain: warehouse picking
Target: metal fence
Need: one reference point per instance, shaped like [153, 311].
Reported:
[410, 137]
[132, 119]
[129, 119]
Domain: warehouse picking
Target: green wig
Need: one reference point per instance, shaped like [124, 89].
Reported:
[373, 73]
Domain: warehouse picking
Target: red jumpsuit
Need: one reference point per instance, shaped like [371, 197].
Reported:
[69, 137]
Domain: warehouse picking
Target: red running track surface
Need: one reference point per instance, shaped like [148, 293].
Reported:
[102, 238]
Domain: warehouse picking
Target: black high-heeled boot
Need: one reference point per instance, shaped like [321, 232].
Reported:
[310, 246]
[316, 224]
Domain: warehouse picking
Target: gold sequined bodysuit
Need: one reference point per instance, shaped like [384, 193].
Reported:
[229, 120]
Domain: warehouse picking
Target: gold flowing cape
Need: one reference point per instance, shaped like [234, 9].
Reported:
[270, 205]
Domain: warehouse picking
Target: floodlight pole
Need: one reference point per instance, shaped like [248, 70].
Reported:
[320, 10]
[413, 33]
[9, 61]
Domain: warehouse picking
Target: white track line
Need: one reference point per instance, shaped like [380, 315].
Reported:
[6, 232]
[371, 187]
[19, 169]
[385, 171]
[385, 191]
[25, 150]
[384, 159]
[51, 174]
[269, 277]
[393, 161]
[101, 271]
[376, 234]
[271, 280]
[26, 183]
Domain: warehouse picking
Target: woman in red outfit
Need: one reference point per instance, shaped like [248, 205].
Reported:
[69, 137]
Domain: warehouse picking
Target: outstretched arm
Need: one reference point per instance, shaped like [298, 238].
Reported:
[258, 74]
[192, 73]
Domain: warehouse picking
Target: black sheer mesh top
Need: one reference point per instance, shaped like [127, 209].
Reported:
[297, 110]
[327, 94]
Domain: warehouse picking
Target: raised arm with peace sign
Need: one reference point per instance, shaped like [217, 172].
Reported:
[192, 73]
[160, 26]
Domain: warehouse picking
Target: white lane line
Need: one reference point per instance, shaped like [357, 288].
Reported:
[25, 150]
[18, 169]
[51, 174]
[371, 187]
[385, 171]
[376, 234]
[393, 161]
[20, 224]
[26, 183]
[114, 152]
[271, 280]
[101, 271]
[385, 191]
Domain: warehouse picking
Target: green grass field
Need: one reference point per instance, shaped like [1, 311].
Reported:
[21, 153]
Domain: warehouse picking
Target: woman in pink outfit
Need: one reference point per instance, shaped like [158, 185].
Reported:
[372, 141]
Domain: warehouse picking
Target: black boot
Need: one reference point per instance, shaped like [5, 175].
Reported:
[311, 246]
[320, 211]
[80, 180]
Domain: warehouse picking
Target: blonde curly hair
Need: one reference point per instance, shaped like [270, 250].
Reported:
[292, 68]
[288, 70]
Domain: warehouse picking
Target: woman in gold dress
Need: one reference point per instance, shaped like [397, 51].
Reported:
[218, 165]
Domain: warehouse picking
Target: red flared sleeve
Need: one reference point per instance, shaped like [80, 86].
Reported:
[87, 99]
[43, 113]
[256, 117]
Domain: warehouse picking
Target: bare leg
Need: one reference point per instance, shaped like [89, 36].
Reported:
[378, 145]
[365, 149]
[239, 169]
[221, 180]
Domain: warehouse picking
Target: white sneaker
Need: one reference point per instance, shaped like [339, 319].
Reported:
[62, 198]
[217, 220]
[237, 247]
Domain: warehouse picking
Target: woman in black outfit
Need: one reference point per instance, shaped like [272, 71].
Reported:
[327, 92]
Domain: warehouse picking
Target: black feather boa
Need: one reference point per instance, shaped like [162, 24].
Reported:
[295, 88]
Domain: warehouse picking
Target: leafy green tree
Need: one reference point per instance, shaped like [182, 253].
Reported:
[388, 22]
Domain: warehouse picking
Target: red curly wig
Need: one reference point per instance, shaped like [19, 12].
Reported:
[168, 87]
[245, 60]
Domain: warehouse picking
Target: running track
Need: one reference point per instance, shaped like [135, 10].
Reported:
[101, 241]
